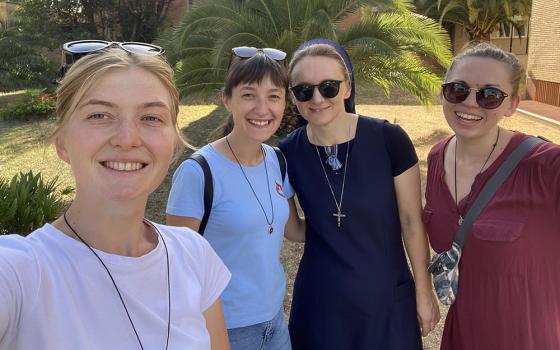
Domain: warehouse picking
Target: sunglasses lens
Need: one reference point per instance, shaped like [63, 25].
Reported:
[489, 98]
[276, 55]
[303, 92]
[329, 88]
[244, 51]
[85, 46]
[455, 92]
[142, 48]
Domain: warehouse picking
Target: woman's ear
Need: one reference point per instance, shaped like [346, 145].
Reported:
[225, 101]
[513, 107]
[348, 89]
[61, 150]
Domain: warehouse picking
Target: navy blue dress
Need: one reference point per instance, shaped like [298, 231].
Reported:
[353, 289]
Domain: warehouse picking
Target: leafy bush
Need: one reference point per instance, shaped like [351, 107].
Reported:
[35, 104]
[24, 59]
[28, 202]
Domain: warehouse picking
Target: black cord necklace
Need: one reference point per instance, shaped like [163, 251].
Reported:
[117, 289]
[269, 222]
[460, 221]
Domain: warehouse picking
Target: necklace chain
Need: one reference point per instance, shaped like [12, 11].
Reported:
[117, 289]
[339, 215]
[460, 221]
[269, 222]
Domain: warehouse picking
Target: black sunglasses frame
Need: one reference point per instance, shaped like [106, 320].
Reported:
[481, 95]
[305, 92]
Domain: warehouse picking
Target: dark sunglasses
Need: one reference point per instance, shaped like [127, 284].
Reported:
[487, 98]
[248, 52]
[74, 50]
[327, 89]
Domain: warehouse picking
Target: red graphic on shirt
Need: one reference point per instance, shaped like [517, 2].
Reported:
[279, 189]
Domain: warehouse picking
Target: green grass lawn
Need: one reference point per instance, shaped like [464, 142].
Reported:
[23, 147]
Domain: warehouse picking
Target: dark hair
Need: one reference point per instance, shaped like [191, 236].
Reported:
[249, 70]
[488, 50]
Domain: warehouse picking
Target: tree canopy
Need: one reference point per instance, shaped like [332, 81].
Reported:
[388, 43]
[118, 20]
[479, 18]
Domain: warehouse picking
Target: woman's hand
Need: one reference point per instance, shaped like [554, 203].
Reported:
[427, 311]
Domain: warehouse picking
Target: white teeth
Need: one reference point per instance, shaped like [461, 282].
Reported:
[123, 166]
[259, 122]
[468, 116]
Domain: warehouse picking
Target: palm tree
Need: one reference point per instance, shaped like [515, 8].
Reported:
[479, 18]
[388, 44]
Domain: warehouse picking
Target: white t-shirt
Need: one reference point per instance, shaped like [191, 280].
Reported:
[55, 294]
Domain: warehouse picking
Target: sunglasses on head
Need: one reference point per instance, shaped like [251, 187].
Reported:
[74, 50]
[248, 52]
[487, 98]
[327, 89]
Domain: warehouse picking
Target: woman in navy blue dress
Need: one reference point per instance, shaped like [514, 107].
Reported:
[357, 180]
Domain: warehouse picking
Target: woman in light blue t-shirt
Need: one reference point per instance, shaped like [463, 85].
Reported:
[252, 205]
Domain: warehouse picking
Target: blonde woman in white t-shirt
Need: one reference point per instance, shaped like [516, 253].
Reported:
[101, 276]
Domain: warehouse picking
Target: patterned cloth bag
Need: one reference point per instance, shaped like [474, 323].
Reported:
[445, 270]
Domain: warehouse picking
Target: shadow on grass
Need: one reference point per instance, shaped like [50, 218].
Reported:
[432, 139]
[197, 132]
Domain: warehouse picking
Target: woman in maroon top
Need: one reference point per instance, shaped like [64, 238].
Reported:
[509, 273]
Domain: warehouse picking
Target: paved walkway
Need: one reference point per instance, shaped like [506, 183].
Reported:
[541, 111]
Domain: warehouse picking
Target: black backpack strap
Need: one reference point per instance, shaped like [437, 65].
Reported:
[281, 161]
[208, 189]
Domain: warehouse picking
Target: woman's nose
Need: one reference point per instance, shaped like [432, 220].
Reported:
[127, 135]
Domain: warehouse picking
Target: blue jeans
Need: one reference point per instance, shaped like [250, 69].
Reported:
[270, 335]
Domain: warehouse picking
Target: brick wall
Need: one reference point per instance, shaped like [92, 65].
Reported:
[543, 67]
[544, 41]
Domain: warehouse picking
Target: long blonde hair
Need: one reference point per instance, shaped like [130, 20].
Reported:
[87, 71]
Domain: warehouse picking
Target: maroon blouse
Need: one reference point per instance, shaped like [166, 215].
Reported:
[509, 273]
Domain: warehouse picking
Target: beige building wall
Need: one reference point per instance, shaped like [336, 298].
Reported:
[6, 8]
[543, 68]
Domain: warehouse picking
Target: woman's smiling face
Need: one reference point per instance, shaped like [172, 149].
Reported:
[313, 70]
[120, 139]
[468, 119]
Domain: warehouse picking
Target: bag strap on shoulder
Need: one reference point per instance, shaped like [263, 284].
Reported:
[209, 183]
[492, 186]
[281, 162]
[208, 189]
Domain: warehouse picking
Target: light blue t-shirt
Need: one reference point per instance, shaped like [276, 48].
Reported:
[238, 230]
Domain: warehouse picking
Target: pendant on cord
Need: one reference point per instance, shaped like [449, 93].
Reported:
[460, 221]
[270, 230]
[339, 216]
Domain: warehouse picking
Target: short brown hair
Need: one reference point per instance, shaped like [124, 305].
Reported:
[249, 70]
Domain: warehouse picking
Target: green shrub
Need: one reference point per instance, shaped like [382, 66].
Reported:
[28, 202]
[34, 104]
